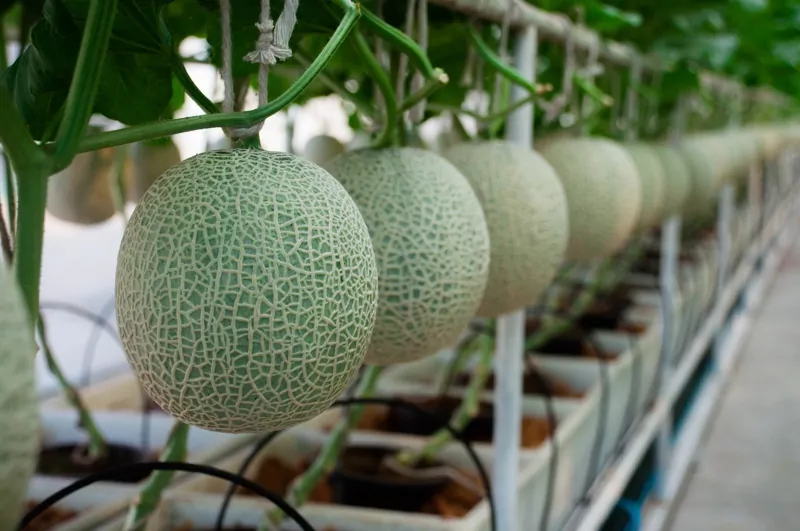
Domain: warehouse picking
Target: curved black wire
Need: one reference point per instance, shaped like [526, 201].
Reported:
[85, 314]
[595, 459]
[548, 393]
[149, 467]
[390, 402]
[226, 501]
[457, 435]
[94, 338]
[100, 323]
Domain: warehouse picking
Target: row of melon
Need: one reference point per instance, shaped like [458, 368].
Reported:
[251, 286]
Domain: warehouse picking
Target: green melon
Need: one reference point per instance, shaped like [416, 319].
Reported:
[677, 179]
[320, 149]
[246, 290]
[603, 194]
[19, 415]
[701, 159]
[82, 193]
[149, 161]
[651, 176]
[526, 211]
[431, 245]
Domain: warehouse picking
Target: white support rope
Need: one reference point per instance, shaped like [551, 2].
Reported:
[418, 112]
[505, 29]
[554, 108]
[271, 46]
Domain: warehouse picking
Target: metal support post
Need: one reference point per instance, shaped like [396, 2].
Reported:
[509, 367]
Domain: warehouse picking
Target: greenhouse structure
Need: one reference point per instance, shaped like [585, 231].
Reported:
[524, 265]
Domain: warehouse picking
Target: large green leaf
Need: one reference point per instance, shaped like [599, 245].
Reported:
[136, 79]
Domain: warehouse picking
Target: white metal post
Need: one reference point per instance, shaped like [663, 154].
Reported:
[509, 367]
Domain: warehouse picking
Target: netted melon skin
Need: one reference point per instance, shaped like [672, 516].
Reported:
[603, 194]
[704, 179]
[676, 177]
[525, 207]
[246, 290]
[651, 176]
[431, 244]
[82, 193]
[148, 162]
[19, 415]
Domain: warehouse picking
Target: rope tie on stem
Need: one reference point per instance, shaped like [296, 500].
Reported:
[271, 47]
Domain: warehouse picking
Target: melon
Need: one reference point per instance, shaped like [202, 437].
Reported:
[701, 158]
[320, 149]
[149, 160]
[652, 179]
[431, 245]
[525, 207]
[246, 290]
[677, 179]
[19, 414]
[603, 191]
[83, 192]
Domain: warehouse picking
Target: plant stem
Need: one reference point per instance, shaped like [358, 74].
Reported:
[11, 193]
[3, 55]
[381, 79]
[488, 55]
[150, 495]
[97, 443]
[5, 238]
[241, 119]
[592, 90]
[467, 410]
[328, 456]
[401, 41]
[438, 80]
[189, 85]
[25, 156]
[361, 105]
[80, 99]
[118, 183]
[458, 362]
[30, 235]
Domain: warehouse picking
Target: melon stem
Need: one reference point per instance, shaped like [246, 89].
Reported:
[378, 74]
[467, 410]
[329, 455]
[150, 496]
[97, 446]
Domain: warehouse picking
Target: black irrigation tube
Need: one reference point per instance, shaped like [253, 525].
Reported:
[391, 402]
[100, 322]
[149, 467]
[548, 393]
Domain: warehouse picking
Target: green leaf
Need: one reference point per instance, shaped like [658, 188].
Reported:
[608, 19]
[313, 17]
[136, 80]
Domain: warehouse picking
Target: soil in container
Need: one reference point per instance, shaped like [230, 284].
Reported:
[51, 518]
[534, 430]
[447, 498]
[531, 385]
[70, 461]
[575, 342]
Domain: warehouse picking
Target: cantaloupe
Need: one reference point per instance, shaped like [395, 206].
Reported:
[322, 148]
[526, 210]
[82, 193]
[677, 179]
[702, 159]
[603, 194]
[431, 245]
[651, 175]
[19, 415]
[246, 290]
[148, 161]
